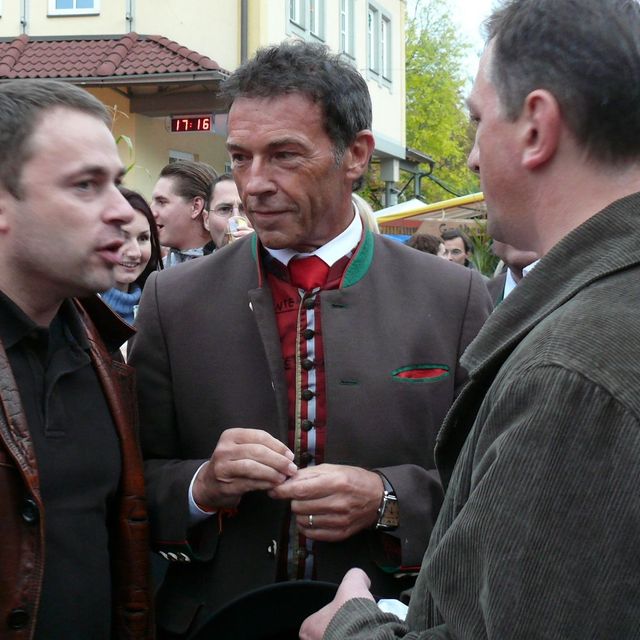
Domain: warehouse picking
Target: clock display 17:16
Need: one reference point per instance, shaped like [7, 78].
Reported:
[180, 124]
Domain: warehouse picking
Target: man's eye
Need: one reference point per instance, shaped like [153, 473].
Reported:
[285, 155]
[223, 210]
[85, 185]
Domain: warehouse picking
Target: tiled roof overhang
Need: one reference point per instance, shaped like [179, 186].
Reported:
[158, 75]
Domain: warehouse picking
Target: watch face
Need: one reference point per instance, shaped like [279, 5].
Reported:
[390, 515]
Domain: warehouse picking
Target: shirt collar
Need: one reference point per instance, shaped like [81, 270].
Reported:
[330, 252]
[509, 284]
[178, 256]
[16, 324]
[530, 267]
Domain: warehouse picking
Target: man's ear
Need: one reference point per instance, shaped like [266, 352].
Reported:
[542, 122]
[6, 201]
[358, 153]
[197, 207]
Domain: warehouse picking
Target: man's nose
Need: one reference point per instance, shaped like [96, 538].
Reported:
[258, 179]
[473, 161]
[118, 210]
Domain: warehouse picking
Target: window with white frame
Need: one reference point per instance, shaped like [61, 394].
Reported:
[306, 18]
[74, 7]
[179, 156]
[379, 43]
[296, 12]
[347, 28]
[385, 47]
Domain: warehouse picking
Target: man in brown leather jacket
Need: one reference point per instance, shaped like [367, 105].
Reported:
[73, 558]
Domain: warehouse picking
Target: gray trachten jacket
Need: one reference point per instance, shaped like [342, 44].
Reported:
[208, 358]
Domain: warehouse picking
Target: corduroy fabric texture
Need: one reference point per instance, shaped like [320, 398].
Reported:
[538, 535]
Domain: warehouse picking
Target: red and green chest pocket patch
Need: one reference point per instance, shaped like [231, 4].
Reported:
[421, 373]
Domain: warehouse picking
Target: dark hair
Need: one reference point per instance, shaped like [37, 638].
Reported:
[424, 242]
[22, 103]
[223, 177]
[140, 204]
[587, 54]
[310, 69]
[452, 234]
[192, 179]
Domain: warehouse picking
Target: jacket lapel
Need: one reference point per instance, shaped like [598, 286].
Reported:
[557, 278]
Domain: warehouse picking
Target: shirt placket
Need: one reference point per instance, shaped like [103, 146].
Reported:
[301, 548]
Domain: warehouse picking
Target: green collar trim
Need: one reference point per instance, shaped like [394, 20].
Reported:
[356, 269]
[360, 262]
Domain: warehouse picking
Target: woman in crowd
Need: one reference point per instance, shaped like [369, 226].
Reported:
[139, 256]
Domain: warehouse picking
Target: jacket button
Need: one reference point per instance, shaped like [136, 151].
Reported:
[29, 511]
[309, 303]
[307, 334]
[307, 394]
[307, 364]
[306, 425]
[306, 458]
[18, 619]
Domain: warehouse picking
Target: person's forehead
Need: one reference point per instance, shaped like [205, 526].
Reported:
[455, 242]
[139, 224]
[482, 80]
[77, 138]
[165, 186]
[284, 116]
[225, 190]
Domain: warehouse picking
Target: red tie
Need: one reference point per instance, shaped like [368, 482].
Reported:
[308, 273]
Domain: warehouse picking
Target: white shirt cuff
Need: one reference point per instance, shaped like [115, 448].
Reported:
[196, 514]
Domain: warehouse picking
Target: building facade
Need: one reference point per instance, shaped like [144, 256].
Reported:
[158, 65]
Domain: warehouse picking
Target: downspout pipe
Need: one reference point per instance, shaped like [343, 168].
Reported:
[244, 30]
[23, 16]
[129, 15]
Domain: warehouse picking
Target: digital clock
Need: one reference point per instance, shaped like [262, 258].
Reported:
[181, 124]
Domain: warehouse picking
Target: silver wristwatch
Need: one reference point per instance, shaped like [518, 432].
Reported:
[389, 510]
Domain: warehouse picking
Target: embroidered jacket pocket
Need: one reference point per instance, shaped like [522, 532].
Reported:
[421, 373]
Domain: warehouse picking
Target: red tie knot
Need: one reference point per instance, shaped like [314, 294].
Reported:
[308, 273]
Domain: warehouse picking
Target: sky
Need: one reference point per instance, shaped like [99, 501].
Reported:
[468, 15]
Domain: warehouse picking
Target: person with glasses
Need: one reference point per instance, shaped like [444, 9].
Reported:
[225, 204]
[457, 247]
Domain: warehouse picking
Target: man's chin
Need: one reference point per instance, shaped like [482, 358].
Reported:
[273, 240]
[99, 284]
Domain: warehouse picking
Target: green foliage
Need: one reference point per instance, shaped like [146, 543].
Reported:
[372, 189]
[483, 258]
[437, 121]
[129, 146]
[123, 139]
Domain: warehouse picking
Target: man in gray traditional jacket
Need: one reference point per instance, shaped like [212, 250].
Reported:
[291, 386]
[539, 533]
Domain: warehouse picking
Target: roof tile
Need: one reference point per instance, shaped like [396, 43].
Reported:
[128, 55]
